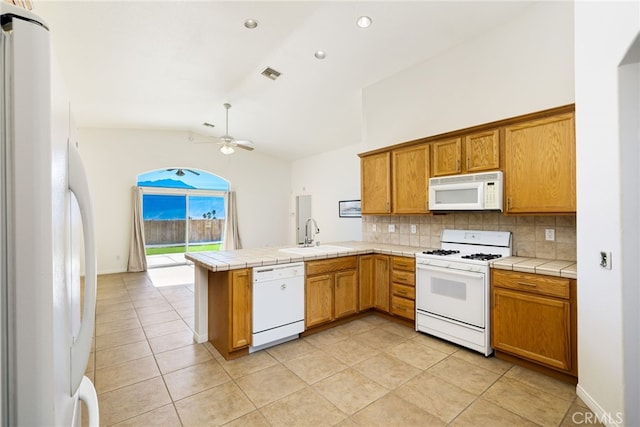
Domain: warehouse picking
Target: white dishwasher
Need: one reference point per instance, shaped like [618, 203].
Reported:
[278, 304]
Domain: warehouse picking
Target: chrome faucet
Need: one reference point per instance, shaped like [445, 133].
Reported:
[310, 234]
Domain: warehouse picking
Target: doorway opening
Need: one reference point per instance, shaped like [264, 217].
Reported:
[183, 210]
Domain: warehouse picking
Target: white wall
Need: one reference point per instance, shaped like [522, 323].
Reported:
[115, 157]
[603, 33]
[518, 68]
[328, 178]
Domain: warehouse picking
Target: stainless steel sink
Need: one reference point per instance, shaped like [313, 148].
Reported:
[316, 250]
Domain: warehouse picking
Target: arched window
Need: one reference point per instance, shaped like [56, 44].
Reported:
[183, 211]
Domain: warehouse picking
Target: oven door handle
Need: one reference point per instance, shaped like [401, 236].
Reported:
[470, 274]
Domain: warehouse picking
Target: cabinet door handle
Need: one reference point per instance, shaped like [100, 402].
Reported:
[467, 163]
[531, 285]
[458, 165]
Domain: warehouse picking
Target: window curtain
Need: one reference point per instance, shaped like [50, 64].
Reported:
[137, 256]
[231, 237]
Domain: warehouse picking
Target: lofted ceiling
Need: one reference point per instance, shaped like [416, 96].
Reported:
[172, 64]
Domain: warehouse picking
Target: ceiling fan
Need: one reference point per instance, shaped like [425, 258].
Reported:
[180, 172]
[227, 142]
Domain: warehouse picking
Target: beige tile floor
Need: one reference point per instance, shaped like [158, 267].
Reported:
[369, 372]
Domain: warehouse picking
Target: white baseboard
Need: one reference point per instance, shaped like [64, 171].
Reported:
[199, 338]
[602, 416]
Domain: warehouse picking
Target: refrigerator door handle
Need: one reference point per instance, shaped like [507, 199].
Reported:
[81, 348]
[87, 393]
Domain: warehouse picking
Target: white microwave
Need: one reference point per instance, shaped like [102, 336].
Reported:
[470, 192]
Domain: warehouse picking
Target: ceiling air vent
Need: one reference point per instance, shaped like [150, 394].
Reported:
[270, 73]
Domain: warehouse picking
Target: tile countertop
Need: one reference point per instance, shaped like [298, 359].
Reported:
[256, 257]
[550, 267]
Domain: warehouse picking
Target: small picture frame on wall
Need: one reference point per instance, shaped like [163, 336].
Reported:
[349, 209]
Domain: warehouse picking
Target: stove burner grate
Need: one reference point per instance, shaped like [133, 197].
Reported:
[482, 257]
[441, 252]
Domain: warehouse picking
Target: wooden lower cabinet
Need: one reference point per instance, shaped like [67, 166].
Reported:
[346, 293]
[229, 310]
[374, 282]
[331, 290]
[319, 298]
[533, 318]
[403, 291]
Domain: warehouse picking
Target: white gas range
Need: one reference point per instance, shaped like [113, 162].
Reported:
[452, 286]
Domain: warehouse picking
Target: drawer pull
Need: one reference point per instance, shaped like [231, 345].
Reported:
[531, 285]
[401, 292]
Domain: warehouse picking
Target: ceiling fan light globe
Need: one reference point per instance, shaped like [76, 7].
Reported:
[227, 149]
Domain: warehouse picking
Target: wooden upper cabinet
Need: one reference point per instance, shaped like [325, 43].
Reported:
[471, 153]
[375, 183]
[482, 151]
[540, 166]
[410, 179]
[447, 156]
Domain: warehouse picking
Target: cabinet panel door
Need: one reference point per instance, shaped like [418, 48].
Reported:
[540, 166]
[534, 327]
[375, 183]
[318, 299]
[381, 282]
[482, 151]
[410, 179]
[365, 279]
[345, 293]
[446, 157]
[240, 308]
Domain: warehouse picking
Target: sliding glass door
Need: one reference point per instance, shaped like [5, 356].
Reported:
[183, 211]
[181, 221]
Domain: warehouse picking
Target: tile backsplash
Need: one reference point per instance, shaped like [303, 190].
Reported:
[528, 231]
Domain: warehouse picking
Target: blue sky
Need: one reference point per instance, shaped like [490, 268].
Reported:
[164, 178]
[166, 207]
[171, 207]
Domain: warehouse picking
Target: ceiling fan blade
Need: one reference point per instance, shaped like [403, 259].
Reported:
[208, 125]
[245, 145]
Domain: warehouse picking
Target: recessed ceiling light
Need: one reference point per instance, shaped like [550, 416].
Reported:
[320, 54]
[364, 22]
[251, 24]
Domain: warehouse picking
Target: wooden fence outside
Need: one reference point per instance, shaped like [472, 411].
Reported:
[157, 232]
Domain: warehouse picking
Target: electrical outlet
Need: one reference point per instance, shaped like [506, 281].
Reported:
[392, 228]
[374, 227]
[605, 260]
[414, 229]
[550, 234]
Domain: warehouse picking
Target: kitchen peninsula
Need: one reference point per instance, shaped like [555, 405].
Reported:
[221, 268]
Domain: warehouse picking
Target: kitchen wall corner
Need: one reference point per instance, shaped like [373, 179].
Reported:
[528, 231]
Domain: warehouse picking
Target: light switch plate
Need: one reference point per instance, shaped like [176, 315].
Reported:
[605, 260]
[392, 228]
[414, 229]
[374, 227]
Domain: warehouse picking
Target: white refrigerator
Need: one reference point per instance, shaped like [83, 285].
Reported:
[46, 220]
